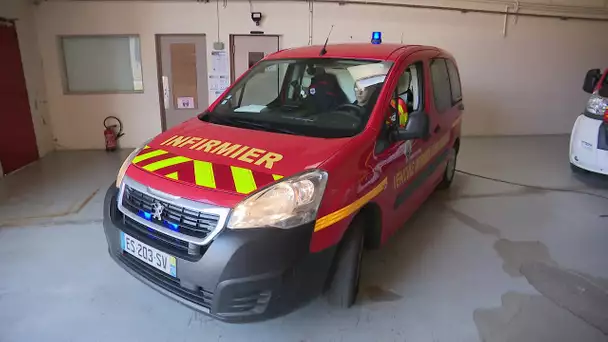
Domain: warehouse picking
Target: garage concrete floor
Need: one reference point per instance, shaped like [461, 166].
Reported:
[485, 261]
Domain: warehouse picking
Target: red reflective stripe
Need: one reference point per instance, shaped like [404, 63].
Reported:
[185, 171]
[154, 159]
[223, 177]
[262, 179]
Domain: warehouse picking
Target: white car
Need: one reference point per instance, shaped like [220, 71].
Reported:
[589, 139]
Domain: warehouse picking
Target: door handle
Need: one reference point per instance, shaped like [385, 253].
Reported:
[166, 92]
[437, 129]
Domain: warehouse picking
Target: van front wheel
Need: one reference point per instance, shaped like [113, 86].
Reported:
[344, 285]
[450, 169]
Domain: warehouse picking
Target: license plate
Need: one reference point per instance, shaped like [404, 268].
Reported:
[149, 255]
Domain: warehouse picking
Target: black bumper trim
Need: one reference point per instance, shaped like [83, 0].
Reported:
[242, 275]
[201, 297]
[593, 116]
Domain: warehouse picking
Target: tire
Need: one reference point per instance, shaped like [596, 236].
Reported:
[344, 285]
[450, 170]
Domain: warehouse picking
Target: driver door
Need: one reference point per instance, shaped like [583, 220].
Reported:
[399, 159]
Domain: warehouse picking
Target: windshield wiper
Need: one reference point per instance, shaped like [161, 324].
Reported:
[262, 126]
[247, 123]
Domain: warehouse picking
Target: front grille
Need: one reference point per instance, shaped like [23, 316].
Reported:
[167, 282]
[184, 220]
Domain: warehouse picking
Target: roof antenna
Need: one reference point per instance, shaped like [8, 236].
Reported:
[324, 50]
[401, 37]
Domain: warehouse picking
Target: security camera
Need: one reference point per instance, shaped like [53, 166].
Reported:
[256, 17]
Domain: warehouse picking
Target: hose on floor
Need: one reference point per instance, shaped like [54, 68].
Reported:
[537, 187]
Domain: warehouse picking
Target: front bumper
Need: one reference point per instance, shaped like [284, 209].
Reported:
[242, 275]
[589, 144]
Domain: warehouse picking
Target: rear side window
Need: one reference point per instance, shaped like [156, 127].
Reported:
[441, 85]
[454, 81]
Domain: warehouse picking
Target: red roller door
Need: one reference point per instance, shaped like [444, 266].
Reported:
[17, 138]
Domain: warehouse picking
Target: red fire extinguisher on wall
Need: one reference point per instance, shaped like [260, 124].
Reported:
[112, 132]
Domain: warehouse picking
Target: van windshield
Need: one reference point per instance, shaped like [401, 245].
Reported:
[328, 98]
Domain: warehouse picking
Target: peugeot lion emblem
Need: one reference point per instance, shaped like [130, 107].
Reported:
[158, 211]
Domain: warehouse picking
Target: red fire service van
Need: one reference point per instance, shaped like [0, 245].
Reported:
[268, 198]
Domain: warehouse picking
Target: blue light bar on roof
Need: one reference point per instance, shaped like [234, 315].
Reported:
[376, 38]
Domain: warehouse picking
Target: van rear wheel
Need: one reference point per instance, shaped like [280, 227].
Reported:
[344, 285]
[450, 169]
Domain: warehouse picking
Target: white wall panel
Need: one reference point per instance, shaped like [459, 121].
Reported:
[526, 83]
[587, 3]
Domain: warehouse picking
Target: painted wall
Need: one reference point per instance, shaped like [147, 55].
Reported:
[23, 11]
[528, 82]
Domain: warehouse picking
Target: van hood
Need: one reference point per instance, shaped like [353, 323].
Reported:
[231, 159]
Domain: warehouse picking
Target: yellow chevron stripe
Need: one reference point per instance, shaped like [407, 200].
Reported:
[340, 214]
[277, 177]
[148, 155]
[203, 174]
[243, 180]
[173, 176]
[166, 162]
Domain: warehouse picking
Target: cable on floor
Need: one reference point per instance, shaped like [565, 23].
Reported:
[532, 186]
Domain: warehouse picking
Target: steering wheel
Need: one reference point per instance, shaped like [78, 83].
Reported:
[344, 108]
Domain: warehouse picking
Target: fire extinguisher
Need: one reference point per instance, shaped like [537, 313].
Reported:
[112, 132]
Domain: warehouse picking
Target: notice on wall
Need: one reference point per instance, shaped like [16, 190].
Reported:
[219, 74]
[219, 62]
[218, 82]
[185, 103]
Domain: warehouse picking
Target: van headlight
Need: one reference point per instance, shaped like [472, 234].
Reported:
[289, 203]
[597, 105]
[127, 162]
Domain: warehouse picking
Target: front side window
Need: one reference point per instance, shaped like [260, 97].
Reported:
[328, 98]
[410, 87]
[441, 85]
[407, 99]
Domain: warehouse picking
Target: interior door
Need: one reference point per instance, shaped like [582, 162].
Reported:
[250, 49]
[17, 138]
[184, 92]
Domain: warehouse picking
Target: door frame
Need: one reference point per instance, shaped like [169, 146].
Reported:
[231, 42]
[159, 71]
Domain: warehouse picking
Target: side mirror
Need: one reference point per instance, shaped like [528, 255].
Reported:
[593, 76]
[417, 127]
